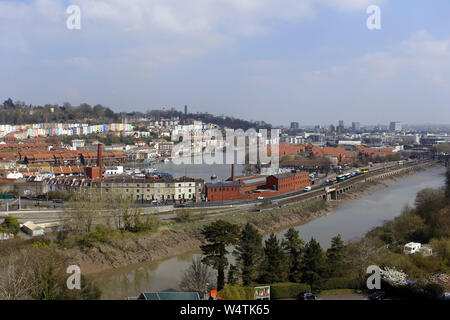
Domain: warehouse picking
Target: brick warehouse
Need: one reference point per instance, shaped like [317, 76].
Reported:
[287, 182]
[244, 188]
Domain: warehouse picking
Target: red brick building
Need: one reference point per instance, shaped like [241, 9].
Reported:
[221, 191]
[254, 186]
[287, 182]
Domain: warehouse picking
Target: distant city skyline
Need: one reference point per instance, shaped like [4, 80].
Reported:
[309, 61]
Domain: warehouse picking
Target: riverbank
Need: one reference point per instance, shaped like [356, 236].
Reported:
[185, 237]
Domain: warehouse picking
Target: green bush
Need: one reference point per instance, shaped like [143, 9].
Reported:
[234, 292]
[11, 224]
[150, 223]
[100, 235]
[288, 290]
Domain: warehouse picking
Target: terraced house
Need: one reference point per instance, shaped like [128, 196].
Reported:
[149, 190]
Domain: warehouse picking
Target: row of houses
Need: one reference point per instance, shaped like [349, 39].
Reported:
[60, 129]
[140, 189]
[67, 157]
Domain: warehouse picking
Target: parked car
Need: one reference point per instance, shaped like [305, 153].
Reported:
[260, 198]
[307, 189]
[57, 201]
[307, 296]
[378, 295]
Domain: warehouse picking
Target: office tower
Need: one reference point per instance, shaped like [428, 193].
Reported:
[395, 126]
[356, 126]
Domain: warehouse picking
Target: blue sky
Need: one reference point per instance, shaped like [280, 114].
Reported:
[311, 61]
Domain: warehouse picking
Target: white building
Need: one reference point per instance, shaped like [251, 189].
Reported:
[114, 170]
[412, 247]
[33, 230]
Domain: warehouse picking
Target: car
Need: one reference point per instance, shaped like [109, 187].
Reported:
[378, 295]
[307, 296]
[57, 201]
[260, 198]
[307, 189]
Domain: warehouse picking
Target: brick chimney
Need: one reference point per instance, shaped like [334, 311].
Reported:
[232, 173]
[100, 156]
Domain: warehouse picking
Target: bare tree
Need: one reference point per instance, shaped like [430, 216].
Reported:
[16, 278]
[85, 208]
[198, 277]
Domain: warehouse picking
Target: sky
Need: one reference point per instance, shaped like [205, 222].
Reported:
[309, 61]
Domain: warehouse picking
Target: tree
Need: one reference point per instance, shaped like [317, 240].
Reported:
[233, 275]
[314, 264]
[293, 246]
[336, 257]
[274, 267]
[47, 285]
[11, 224]
[16, 279]
[428, 201]
[198, 277]
[249, 253]
[219, 234]
[84, 208]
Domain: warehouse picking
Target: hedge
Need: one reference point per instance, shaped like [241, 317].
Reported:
[277, 291]
[288, 290]
[341, 283]
[230, 292]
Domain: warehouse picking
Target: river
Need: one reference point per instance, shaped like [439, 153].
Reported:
[352, 220]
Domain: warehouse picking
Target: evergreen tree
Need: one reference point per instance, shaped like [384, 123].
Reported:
[219, 234]
[249, 253]
[47, 287]
[336, 257]
[274, 266]
[293, 245]
[233, 275]
[314, 264]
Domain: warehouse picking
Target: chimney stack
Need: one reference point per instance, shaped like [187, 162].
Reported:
[232, 172]
[100, 156]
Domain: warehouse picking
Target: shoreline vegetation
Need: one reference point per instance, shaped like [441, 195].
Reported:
[183, 235]
[292, 267]
[108, 232]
